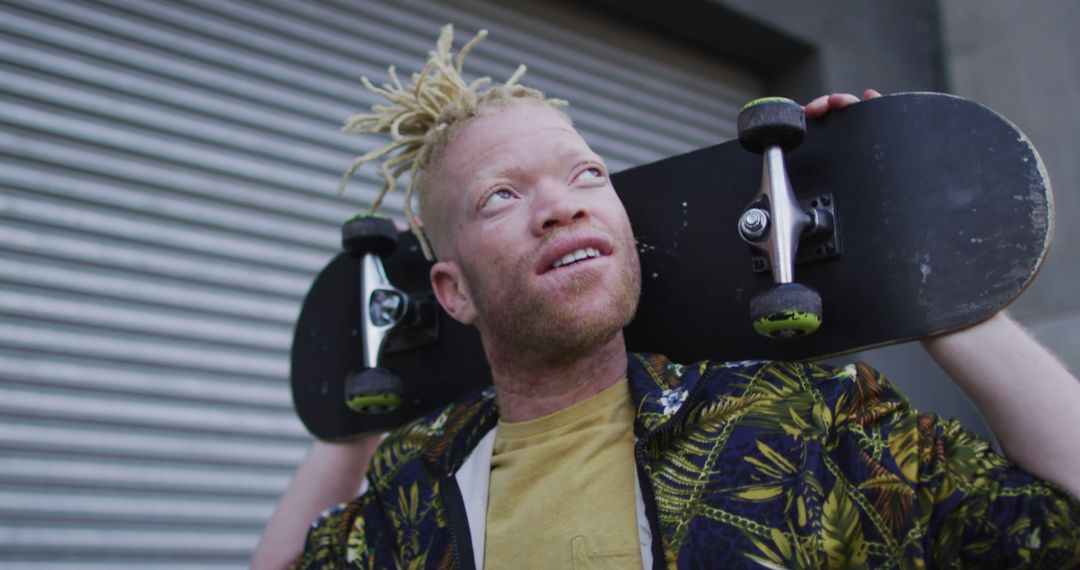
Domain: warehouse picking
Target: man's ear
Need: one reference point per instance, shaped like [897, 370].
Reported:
[449, 286]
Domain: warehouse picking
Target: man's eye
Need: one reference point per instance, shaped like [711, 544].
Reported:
[591, 173]
[500, 196]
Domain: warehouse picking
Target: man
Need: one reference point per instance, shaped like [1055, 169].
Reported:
[586, 456]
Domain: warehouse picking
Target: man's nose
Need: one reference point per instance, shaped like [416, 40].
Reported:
[557, 207]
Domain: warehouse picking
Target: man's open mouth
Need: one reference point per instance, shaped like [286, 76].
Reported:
[568, 250]
[576, 256]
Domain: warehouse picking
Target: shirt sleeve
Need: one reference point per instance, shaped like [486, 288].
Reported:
[337, 539]
[973, 507]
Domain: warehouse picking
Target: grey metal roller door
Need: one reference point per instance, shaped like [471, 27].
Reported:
[168, 175]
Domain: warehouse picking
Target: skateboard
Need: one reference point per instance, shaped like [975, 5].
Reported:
[894, 219]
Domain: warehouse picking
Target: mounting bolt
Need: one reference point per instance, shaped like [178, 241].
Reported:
[754, 223]
[387, 307]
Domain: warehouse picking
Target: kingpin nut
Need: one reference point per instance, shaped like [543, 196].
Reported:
[754, 223]
[387, 307]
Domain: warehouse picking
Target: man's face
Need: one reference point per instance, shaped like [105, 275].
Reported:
[541, 255]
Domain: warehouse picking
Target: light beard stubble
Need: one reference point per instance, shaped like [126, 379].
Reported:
[536, 328]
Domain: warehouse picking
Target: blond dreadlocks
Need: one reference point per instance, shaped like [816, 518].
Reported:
[422, 115]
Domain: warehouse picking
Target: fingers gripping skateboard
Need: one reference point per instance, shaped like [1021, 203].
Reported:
[774, 222]
[374, 390]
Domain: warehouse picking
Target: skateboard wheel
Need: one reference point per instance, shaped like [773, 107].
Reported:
[373, 391]
[788, 310]
[771, 121]
[362, 234]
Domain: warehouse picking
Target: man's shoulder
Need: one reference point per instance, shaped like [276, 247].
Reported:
[661, 387]
[439, 439]
[657, 373]
[403, 497]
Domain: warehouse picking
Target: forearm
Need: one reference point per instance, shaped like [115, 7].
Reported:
[330, 474]
[1029, 399]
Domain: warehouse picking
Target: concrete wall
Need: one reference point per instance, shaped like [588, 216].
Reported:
[1023, 60]
[805, 48]
[891, 46]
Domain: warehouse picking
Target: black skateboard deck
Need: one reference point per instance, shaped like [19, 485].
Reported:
[941, 216]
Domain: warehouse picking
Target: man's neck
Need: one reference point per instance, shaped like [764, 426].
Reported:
[534, 388]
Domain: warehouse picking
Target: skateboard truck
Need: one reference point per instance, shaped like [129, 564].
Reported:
[820, 240]
[372, 389]
[775, 221]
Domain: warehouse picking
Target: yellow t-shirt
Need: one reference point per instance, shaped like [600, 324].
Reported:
[562, 490]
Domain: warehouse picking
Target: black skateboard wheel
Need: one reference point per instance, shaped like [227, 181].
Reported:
[771, 121]
[374, 391]
[789, 310]
[362, 234]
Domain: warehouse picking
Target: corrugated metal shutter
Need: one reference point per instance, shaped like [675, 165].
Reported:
[168, 175]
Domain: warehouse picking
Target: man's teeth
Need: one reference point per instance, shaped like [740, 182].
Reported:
[576, 256]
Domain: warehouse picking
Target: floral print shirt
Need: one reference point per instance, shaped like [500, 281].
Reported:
[743, 465]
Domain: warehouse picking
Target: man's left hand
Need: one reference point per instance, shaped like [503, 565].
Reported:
[835, 101]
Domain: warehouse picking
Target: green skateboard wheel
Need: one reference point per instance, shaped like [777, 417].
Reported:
[364, 233]
[374, 391]
[762, 100]
[381, 403]
[789, 310]
[771, 121]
